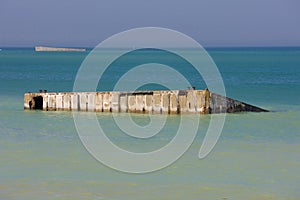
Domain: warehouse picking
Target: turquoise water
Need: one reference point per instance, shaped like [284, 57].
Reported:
[257, 156]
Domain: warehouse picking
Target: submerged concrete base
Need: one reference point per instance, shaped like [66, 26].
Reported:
[165, 102]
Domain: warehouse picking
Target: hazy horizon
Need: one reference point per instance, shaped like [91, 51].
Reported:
[208, 47]
[218, 23]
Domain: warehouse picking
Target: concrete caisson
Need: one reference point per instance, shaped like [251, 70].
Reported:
[165, 102]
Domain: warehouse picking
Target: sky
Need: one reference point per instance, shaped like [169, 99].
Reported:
[213, 23]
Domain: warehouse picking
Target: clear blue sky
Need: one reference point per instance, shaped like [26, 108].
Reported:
[210, 22]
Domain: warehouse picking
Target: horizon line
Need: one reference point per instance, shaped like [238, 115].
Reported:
[204, 46]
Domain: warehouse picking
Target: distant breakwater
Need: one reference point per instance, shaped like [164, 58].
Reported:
[40, 48]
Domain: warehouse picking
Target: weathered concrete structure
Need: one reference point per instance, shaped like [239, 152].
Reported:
[165, 102]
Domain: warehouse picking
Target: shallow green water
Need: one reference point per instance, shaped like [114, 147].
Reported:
[257, 156]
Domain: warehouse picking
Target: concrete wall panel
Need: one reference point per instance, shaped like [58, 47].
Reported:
[182, 104]
[123, 103]
[74, 101]
[52, 102]
[66, 102]
[106, 102]
[99, 102]
[173, 103]
[148, 103]
[91, 101]
[59, 102]
[131, 103]
[115, 106]
[157, 102]
[139, 107]
[165, 102]
[83, 101]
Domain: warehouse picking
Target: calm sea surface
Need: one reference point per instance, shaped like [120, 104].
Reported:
[257, 156]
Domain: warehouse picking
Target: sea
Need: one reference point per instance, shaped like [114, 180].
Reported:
[256, 157]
